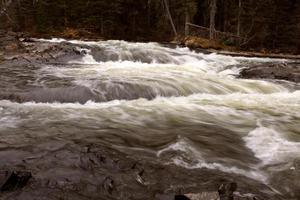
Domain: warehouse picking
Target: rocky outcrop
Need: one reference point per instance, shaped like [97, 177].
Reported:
[13, 180]
[97, 172]
[282, 71]
[9, 42]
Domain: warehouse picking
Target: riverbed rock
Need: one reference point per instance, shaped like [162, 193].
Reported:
[280, 71]
[9, 42]
[286, 180]
[13, 180]
[226, 191]
[199, 196]
[53, 53]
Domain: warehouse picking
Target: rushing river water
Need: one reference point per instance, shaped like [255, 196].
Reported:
[167, 105]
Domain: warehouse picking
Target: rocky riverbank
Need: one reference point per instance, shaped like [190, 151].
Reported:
[288, 70]
[284, 71]
[93, 172]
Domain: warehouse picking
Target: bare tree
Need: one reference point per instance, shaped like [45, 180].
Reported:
[187, 19]
[149, 13]
[4, 6]
[213, 11]
[170, 17]
[239, 18]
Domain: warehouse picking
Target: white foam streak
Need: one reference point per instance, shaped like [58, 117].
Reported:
[87, 59]
[199, 89]
[8, 122]
[53, 40]
[271, 146]
[191, 158]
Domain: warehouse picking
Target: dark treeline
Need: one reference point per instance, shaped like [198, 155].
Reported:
[271, 24]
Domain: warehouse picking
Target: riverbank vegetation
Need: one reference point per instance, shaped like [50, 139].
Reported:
[262, 25]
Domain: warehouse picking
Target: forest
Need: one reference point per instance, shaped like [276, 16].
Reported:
[270, 24]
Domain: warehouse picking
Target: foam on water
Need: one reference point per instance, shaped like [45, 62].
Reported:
[157, 53]
[158, 70]
[175, 80]
[190, 90]
[271, 146]
[192, 158]
[235, 112]
[8, 122]
[288, 102]
[53, 40]
[7, 119]
[87, 59]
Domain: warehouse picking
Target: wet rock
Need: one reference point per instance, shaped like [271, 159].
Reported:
[199, 196]
[28, 39]
[108, 185]
[57, 53]
[204, 196]
[165, 196]
[280, 71]
[196, 196]
[140, 180]
[182, 197]
[50, 95]
[10, 181]
[287, 179]
[9, 42]
[226, 191]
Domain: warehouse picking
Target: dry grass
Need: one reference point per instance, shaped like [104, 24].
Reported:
[71, 33]
[203, 43]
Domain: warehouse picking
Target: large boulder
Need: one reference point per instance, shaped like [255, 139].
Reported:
[280, 71]
[9, 41]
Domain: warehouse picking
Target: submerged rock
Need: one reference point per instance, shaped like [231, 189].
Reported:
[199, 196]
[10, 181]
[226, 191]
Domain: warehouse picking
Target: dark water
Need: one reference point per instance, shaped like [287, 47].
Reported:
[148, 119]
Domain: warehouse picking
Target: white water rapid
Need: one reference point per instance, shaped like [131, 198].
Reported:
[172, 105]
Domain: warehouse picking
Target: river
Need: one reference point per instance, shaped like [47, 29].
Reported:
[170, 107]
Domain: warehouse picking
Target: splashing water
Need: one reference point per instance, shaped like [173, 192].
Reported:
[172, 105]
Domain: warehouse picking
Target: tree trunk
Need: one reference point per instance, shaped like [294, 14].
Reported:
[4, 12]
[239, 19]
[5, 6]
[170, 17]
[225, 17]
[187, 20]
[102, 25]
[213, 10]
[149, 14]
[65, 15]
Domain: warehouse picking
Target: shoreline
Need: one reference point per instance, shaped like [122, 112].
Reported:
[15, 48]
[204, 45]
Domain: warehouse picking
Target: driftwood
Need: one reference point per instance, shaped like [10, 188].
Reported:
[170, 17]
